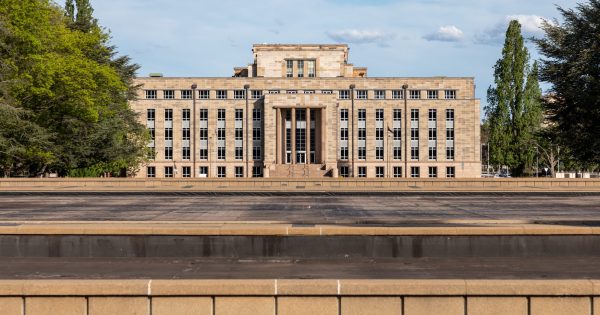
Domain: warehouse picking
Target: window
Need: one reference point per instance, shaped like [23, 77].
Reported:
[168, 171]
[450, 153]
[289, 69]
[221, 134]
[203, 171]
[185, 153]
[169, 94]
[239, 134]
[239, 171]
[362, 134]
[221, 94]
[432, 94]
[450, 94]
[362, 153]
[186, 94]
[256, 115]
[309, 91]
[344, 134]
[203, 94]
[379, 171]
[151, 94]
[414, 134]
[168, 115]
[344, 94]
[300, 68]
[326, 92]
[344, 153]
[256, 153]
[256, 94]
[186, 171]
[450, 172]
[221, 171]
[450, 134]
[361, 94]
[379, 153]
[379, 94]
[150, 114]
[185, 114]
[239, 94]
[397, 171]
[168, 133]
[362, 115]
[344, 171]
[397, 130]
[415, 172]
[168, 153]
[292, 92]
[397, 94]
[273, 91]
[256, 134]
[362, 171]
[432, 172]
[203, 134]
[379, 134]
[432, 134]
[415, 94]
[151, 171]
[257, 171]
[310, 64]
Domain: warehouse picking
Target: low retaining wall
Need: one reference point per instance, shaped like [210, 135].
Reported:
[299, 185]
[295, 297]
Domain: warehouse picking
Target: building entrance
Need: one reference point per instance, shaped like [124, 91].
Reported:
[299, 136]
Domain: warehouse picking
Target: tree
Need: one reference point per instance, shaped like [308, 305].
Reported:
[572, 67]
[514, 111]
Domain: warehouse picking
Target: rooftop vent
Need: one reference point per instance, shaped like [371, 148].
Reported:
[156, 75]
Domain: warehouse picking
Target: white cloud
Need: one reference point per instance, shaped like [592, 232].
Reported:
[449, 33]
[360, 36]
[531, 25]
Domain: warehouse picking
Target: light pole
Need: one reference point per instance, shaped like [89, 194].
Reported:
[405, 95]
[194, 87]
[352, 86]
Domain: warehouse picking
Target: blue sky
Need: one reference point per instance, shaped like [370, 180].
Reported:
[391, 38]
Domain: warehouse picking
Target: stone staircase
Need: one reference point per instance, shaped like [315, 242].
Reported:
[299, 171]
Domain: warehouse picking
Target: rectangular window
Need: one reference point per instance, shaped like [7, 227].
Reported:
[257, 153]
[168, 171]
[344, 171]
[450, 172]
[415, 172]
[397, 94]
[257, 171]
[186, 171]
[203, 171]
[186, 94]
[300, 68]
[185, 153]
[397, 171]
[256, 94]
[256, 115]
[450, 94]
[239, 171]
[239, 94]
[379, 94]
[379, 171]
[344, 153]
[169, 94]
[273, 91]
[415, 94]
[310, 65]
[221, 171]
[185, 114]
[433, 172]
[289, 69]
[344, 94]
[151, 94]
[432, 94]
[450, 134]
[203, 94]
[362, 153]
[150, 114]
[151, 171]
[326, 92]
[168, 133]
[221, 94]
[168, 153]
[361, 94]
[397, 130]
[379, 153]
[168, 115]
[292, 91]
[362, 171]
[309, 91]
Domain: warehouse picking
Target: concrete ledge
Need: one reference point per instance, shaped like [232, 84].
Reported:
[291, 287]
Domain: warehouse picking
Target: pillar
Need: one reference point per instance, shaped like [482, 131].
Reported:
[293, 135]
[307, 135]
[278, 143]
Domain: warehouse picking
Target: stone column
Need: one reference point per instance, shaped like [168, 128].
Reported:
[278, 136]
[324, 136]
[293, 135]
[307, 160]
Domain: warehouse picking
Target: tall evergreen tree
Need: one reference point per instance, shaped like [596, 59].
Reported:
[514, 110]
[572, 66]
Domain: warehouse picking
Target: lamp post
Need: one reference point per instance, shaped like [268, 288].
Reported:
[194, 87]
[405, 95]
[352, 87]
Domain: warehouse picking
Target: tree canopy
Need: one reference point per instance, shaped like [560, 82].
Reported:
[64, 93]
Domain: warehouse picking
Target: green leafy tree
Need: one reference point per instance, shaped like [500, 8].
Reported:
[572, 67]
[514, 111]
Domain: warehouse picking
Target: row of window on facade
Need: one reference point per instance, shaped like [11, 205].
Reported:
[301, 67]
[220, 134]
[415, 171]
[186, 171]
[359, 94]
[394, 132]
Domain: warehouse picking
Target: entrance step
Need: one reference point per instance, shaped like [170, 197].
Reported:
[299, 171]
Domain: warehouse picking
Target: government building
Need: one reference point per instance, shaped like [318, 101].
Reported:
[303, 111]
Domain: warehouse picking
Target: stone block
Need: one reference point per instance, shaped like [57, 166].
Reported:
[371, 306]
[182, 306]
[497, 305]
[55, 305]
[244, 305]
[119, 305]
[11, 305]
[307, 305]
[434, 305]
[560, 306]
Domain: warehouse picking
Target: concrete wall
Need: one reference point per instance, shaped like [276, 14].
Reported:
[301, 185]
[290, 297]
